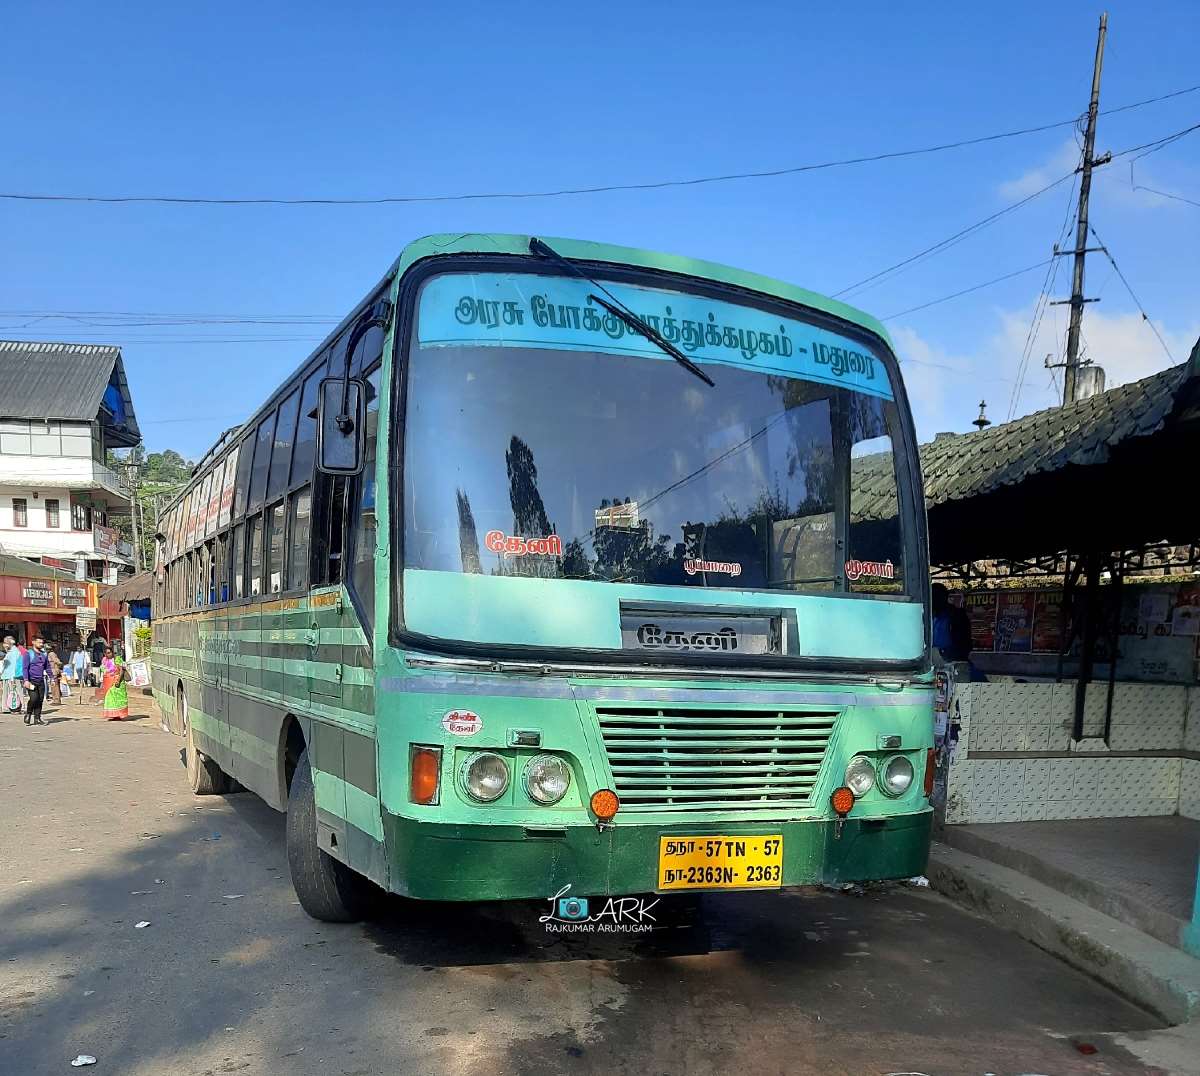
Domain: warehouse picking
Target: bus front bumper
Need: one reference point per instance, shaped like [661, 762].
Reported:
[444, 861]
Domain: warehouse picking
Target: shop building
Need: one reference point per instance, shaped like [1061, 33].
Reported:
[63, 407]
[39, 600]
[1071, 744]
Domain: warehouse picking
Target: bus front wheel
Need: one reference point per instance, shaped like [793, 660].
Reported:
[328, 890]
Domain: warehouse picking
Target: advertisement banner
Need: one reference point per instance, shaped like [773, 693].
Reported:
[1047, 621]
[981, 611]
[106, 539]
[1014, 621]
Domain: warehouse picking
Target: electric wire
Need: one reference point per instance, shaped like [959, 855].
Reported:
[951, 240]
[1128, 288]
[571, 191]
[967, 291]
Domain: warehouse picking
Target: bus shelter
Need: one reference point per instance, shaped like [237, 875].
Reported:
[1071, 537]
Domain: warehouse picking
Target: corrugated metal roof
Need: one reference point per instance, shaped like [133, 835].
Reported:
[60, 381]
[959, 466]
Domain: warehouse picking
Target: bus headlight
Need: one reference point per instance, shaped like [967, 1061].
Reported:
[860, 776]
[547, 778]
[897, 776]
[485, 777]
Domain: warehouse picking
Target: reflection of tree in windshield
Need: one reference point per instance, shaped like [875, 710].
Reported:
[529, 511]
[468, 537]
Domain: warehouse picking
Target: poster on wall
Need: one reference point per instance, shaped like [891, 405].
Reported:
[1047, 621]
[1014, 621]
[981, 611]
[1185, 617]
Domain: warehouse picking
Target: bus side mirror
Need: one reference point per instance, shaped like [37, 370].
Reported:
[340, 426]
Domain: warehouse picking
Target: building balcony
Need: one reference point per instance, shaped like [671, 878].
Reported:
[74, 473]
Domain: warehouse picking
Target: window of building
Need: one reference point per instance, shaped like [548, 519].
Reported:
[299, 537]
[363, 571]
[52, 512]
[305, 452]
[263, 440]
[20, 512]
[238, 560]
[256, 557]
[81, 517]
[275, 547]
[285, 437]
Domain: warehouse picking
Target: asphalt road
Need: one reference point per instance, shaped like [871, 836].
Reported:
[100, 832]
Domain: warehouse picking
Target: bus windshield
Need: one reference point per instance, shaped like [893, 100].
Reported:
[545, 439]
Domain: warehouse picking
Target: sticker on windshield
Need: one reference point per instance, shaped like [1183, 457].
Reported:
[721, 567]
[513, 545]
[870, 569]
[461, 722]
[520, 310]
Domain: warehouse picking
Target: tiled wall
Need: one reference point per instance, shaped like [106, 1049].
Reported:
[1037, 718]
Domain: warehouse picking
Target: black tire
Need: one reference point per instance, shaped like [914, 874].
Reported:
[204, 775]
[328, 890]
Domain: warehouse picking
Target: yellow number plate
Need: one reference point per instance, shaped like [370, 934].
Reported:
[720, 862]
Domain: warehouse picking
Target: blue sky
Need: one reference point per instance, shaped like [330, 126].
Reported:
[309, 100]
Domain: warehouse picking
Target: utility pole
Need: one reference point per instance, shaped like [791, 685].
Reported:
[1081, 230]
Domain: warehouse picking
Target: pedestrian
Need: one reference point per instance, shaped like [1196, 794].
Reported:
[116, 695]
[12, 697]
[36, 669]
[98, 646]
[951, 626]
[79, 666]
[54, 675]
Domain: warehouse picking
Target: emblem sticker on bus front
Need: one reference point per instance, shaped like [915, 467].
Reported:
[461, 722]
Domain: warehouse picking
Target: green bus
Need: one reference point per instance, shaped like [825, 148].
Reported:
[563, 567]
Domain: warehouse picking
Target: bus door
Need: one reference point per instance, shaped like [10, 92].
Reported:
[327, 598]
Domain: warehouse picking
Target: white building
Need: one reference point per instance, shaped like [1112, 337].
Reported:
[62, 407]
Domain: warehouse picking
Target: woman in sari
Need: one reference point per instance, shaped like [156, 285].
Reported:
[116, 695]
[12, 675]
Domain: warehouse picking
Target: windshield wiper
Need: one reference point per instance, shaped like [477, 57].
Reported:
[620, 311]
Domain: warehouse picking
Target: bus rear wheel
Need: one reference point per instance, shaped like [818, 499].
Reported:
[204, 775]
[328, 890]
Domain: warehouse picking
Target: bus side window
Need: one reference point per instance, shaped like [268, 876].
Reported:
[237, 562]
[305, 451]
[256, 558]
[329, 524]
[273, 544]
[263, 440]
[363, 571]
[222, 564]
[299, 538]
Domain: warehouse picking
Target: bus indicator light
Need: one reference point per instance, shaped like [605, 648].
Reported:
[930, 770]
[842, 801]
[605, 804]
[424, 769]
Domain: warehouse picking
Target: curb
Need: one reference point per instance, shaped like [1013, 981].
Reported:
[1156, 976]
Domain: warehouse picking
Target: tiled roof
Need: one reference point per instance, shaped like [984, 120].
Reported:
[959, 466]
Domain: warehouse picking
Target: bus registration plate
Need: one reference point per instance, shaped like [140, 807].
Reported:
[743, 862]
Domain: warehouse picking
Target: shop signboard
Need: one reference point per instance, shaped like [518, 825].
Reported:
[85, 618]
[37, 592]
[106, 540]
[71, 596]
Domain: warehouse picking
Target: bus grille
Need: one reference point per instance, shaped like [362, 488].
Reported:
[697, 760]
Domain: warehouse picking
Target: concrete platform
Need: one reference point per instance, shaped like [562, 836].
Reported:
[1158, 976]
[1140, 871]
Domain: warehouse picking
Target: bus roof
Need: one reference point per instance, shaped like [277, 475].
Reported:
[458, 243]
